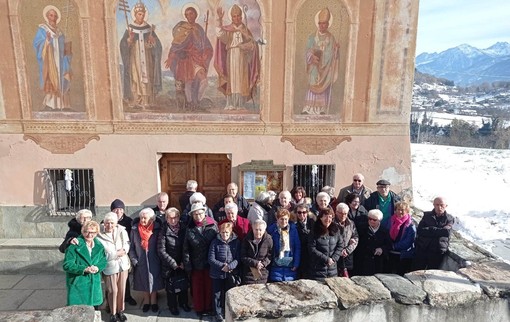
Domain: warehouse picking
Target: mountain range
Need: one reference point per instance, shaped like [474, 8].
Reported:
[468, 65]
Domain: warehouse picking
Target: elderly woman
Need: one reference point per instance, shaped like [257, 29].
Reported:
[298, 195]
[115, 241]
[286, 248]
[224, 257]
[374, 245]
[199, 198]
[284, 201]
[349, 239]
[75, 225]
[325, 246]
[333, 201]
[256, 254]
[402, 235]
[201, 232]
[260, 208]
[83, 264]
[170, 247]
[241, 225]
[321, 202]
[144, 258]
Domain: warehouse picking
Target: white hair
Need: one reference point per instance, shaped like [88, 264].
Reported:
[329, 190]
[263, 197]
[197, 197]
[286, 193]
[342, 206]
[147, 211]
[231, 206]
[259, 222]
[111, 216]
[83, 212]
[191, 185]
[323, 194]
[375, 213]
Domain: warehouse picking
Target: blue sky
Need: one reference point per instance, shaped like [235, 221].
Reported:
[444, 24]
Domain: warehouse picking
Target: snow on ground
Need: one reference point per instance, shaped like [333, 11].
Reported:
[476, 183]
[444, 119]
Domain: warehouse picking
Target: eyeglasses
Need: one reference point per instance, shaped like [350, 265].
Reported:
[90, 232]
[301, 212]
[356, 180]
[373, 219]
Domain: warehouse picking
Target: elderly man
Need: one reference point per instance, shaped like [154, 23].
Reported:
[162, 206]
[433, 238]
[191, 188]
[242, 225]
[383, 199]
[358, 187]
[242, 204]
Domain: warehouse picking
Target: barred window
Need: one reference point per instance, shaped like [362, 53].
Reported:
[69, 190]
[313, 177]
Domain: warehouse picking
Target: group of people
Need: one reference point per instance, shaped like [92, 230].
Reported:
[208, 251]
[236, 59]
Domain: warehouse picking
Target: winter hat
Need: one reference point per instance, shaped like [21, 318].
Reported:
[197, 206]
[117, 203]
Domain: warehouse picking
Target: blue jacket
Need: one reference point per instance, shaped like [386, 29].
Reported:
[404, 244]
[221, 252]
[279, 273]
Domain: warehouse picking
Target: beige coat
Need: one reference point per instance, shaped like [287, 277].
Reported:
[119, 240]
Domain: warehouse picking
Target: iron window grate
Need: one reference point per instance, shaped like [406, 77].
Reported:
[69, 190]
[313, 177]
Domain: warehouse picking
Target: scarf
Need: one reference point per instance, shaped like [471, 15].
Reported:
[396, 223]
[284, 241]
[145, 234]
[174, 229]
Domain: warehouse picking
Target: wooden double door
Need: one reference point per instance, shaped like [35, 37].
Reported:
[211, 171]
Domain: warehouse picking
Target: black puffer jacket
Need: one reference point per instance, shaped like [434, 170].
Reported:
[252, 253]
[434, 232]
[196, 244]
[74, 231]
[170, 247]
[324, 244]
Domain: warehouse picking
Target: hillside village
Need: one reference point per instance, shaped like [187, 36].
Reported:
[481, 110]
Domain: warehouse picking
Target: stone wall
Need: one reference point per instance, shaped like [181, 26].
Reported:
[479, 292]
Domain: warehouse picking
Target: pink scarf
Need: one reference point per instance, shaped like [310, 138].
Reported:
[396, 223]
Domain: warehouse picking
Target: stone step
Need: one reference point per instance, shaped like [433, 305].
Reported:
[30, 255]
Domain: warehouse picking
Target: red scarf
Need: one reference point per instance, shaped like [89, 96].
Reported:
[396, 223]
[145, 234]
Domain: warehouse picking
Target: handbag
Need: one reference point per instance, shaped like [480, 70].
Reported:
[177, 281]
[233, 279]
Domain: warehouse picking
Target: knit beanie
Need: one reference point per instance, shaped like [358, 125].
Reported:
[117, 203]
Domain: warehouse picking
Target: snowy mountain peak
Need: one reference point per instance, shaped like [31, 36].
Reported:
[498, 49]
[467, 65]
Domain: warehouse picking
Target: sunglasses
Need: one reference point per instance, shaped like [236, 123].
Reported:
[356, 180]
[301, 212]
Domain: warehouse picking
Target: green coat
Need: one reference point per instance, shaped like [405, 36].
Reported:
[84, 288]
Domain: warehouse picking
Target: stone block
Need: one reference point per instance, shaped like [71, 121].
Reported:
[279, 300]
[374, 287]
[402, 290]
[444, 288]
[493, 277]
[349, 294]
